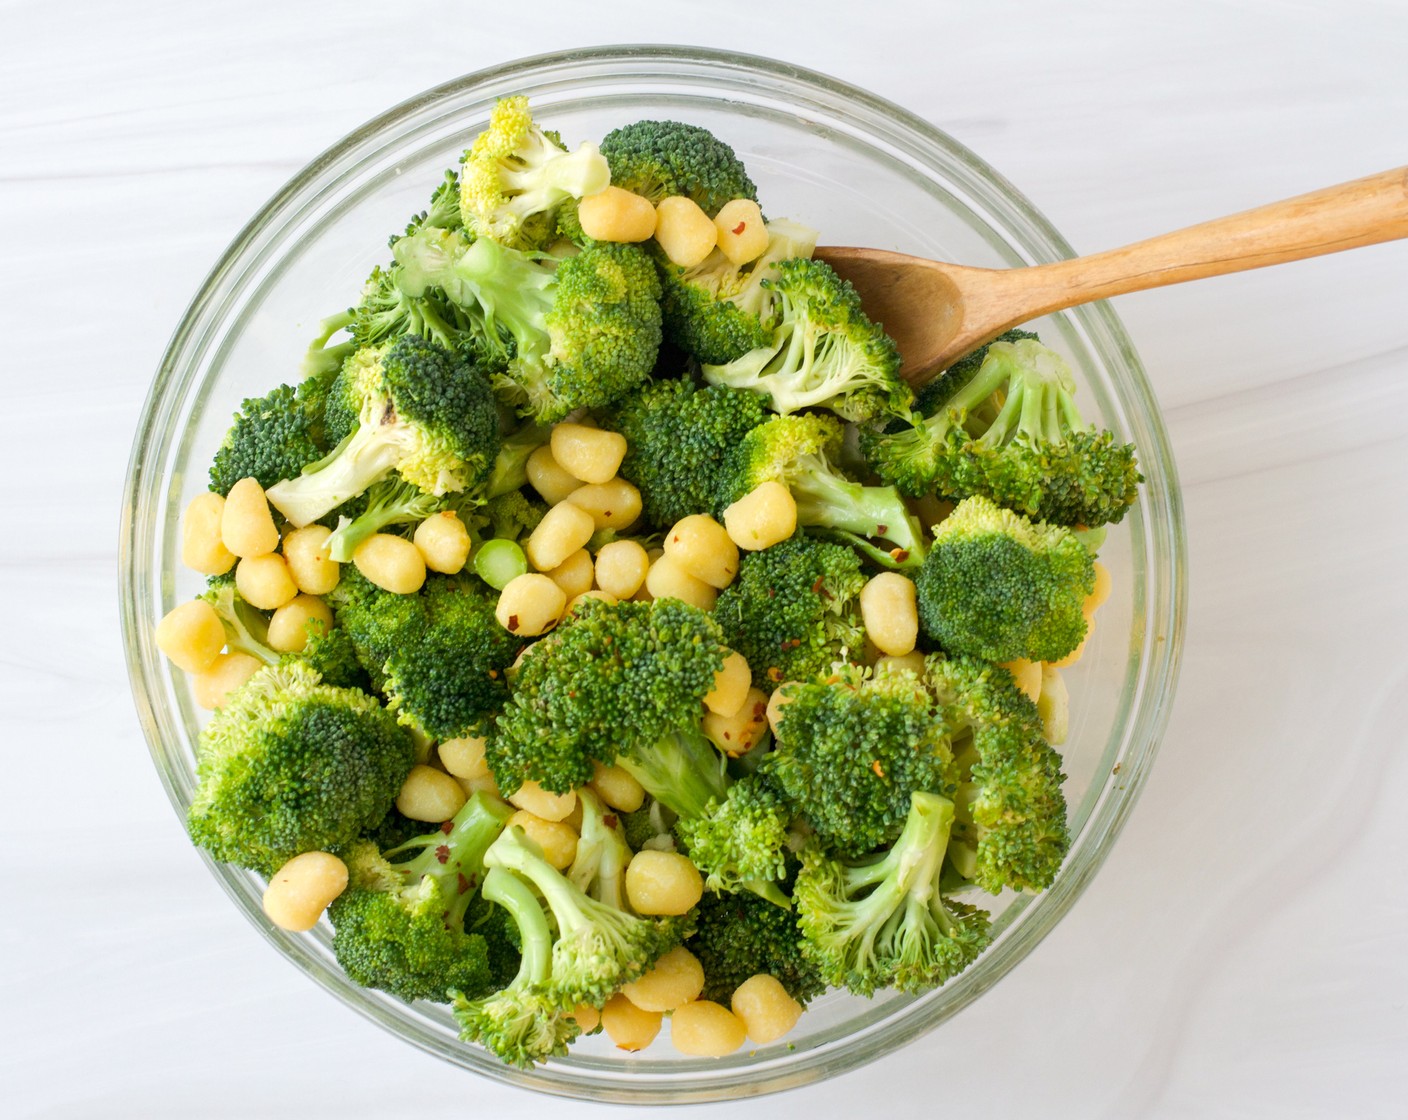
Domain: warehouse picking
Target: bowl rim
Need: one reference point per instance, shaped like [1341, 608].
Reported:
[1148, 714]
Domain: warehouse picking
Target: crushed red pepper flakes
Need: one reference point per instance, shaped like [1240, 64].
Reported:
[879, 770]
[442, 853]
[739, 228]
[513, 622]
[447, 827]
[609, 819]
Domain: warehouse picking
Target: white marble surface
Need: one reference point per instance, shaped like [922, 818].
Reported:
[1245, 950]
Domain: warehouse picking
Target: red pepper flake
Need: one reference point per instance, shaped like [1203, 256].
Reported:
[739, 228]
[493, 674]
[609, 819]
[512, 623]
[442, 853]
[728, 735]
[774, 674]
[818, 585]
[880, 530]
[447, 828]
[606, 513]
[879, 770]
[899, 555]
[464, 884]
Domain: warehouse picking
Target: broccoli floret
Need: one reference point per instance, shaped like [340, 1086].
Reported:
[578, 333]
[390, 502]
[649, 827]
[679, 440]
[440, 656]
[881, 921]
[1011, 432]
[825, 352]
[662, 158]
[425, 413]
[595, 949]
[741, 841]
[443, 211]
[291, 765]
[516, 175]
[513, 516]
[998, 586]
[799, 452]
[740, 935]
[599, 869]
[851, 751]
[794, 610]
[526, 1021]
[399, 926]
[717, 311]
[1010, 829]
[934, 395]
[511, 464]
[612, 680]
[273, 437]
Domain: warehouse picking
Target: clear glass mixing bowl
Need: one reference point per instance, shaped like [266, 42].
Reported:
[863, 171]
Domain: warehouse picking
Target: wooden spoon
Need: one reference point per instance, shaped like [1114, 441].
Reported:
[938, 312]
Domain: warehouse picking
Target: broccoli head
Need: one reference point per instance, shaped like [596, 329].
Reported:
[794, 610]
[273, 437]
[799, 452]
[1000, 587]
[717, 311]
[851, 750]
[399, 926]
[291, 765]
[576, 333]
[426, 413]
[389, 502]
[1011, 432]
[880, 921]
[679, 440]
[825, 352]
[740, 935]
[742, 841]
[1010, 829]
[657, 159]
[515, 176]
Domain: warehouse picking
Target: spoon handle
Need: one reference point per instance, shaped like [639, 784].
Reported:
[1361, 212]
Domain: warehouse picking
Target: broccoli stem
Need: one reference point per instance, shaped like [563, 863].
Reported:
[505, 889]
[399, 505]
[455, 849]
[515, 291]
[683, 772]
[826, 500]
[322, 358]
[363, 458]
[908, 874]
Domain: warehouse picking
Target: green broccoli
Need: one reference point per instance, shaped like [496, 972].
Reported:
[443, 211]
[800, 452]
[513, 516]
[578, 333]
[936, 393]
[291, 765]
[825, 352]
[389, 502]
[516, 175]
[657, 159]
[511, 465]
[595, 949]
[739, 935]
[741, 841]
[794, 610]
[400, 924]
[425, 413]
[678, 442]
[851, 751]
[717, 311]
[273, 437]
[881, 921]
[1011, 432]
[612, 681]
[1011, 814]
[440, 656]
[998, 587]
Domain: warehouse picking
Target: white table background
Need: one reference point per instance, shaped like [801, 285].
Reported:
[1245, 950]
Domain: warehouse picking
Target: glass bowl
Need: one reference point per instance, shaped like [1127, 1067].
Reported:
[863, 171]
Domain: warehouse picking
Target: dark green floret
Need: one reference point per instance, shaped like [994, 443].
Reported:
[400, 924]
[800, 453]
[424, 412]
[793, 611]
[513, 516]
[575, 333]
[999, 587]
[740, 935]
[742, 840]
[657, 159]
[291, 765]
[880, 921]
[440, 656]
[273, 437]
[851, 752]
[679, 439]
[825, 352]
[1010, 828]
[1011, 432]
